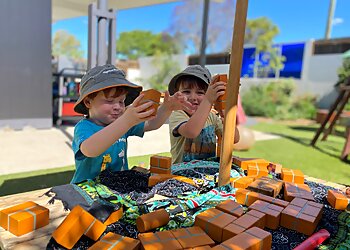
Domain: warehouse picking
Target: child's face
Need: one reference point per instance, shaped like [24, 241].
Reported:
[194, 94]
[104, 110]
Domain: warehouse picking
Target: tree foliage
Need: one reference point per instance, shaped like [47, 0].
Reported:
[261, 32]
[166, 69]
[278, 100]
[137, 43]
[186, 25]
[66, 44]
[344, 71]
[343, 76]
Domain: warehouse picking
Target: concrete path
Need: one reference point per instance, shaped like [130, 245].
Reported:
[35, 149]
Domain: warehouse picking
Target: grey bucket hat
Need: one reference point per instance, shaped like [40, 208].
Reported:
[193, 70]
[103, 77]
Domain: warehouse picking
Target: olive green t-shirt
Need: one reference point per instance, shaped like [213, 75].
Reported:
[201, 147]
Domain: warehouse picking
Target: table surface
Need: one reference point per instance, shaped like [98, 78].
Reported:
[39, 238]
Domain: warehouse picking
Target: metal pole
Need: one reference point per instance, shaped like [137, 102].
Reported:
[92, 51]
[112, 41]
[102, 28]
[202, 59]
[330, 18]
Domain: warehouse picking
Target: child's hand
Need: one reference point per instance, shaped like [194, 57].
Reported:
[177, 101]
[222, 114]
[136, 113]
[215, 89]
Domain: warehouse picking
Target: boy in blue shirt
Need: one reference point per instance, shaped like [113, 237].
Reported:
[100, 139]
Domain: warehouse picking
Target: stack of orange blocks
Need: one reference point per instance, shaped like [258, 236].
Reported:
[292, 175]
[114, 217]
[78, 223]
[257, 171]
[160, 164]
[230, 207]
[115, 241]
[337, 199]
[245, 162]
[220, 103]
[250, 219]
[302, 216]
[213, 221]
[292, 191]
[267, 186]
[274, 168]
[153, 96]
[200, 248]
[24, 218]
[246, 197]
[157, 178]
[273, 213]
[253, 238]
[241, 182]
[183, 238]
[149, 221]
[192, 237]
[159, 241]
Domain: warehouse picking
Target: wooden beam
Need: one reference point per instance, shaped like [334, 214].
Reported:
[232, 91]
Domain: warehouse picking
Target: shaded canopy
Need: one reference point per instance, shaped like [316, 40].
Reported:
[64, 9]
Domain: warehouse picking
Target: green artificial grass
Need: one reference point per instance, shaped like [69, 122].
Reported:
[143, 160]
[29, 181]
[292, 150]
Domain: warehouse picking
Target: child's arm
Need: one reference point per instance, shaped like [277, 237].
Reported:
[103, 139]
[193, 127]
[171, 103]
[237, 136]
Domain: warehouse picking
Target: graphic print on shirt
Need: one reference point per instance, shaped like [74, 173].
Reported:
[201, 147]
[121, 155]
[106, 159]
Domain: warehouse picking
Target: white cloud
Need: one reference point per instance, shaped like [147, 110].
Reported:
[337, 21]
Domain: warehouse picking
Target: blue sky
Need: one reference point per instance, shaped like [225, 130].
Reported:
[298, 20]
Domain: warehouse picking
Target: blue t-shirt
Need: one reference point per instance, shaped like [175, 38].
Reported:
[114, 158]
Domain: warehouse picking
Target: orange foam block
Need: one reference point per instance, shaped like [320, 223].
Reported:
[77, 223]
[24, 218]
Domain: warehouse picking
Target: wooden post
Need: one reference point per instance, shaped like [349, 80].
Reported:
[232, 91]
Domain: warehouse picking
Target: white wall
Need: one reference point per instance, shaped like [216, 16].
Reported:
[323, 68]
[25, 64]
[218, 69]
[133, 75]
[319, 75]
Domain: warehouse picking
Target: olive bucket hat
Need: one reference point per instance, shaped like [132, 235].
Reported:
[194, 70]
[103, 77]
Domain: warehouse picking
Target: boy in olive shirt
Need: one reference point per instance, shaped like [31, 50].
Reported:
[193, 133]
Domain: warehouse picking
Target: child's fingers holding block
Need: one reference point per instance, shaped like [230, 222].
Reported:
[137, 101]
[215, 78]
[145, 106]
[220, 103]
[152, 96]
[147, 114]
